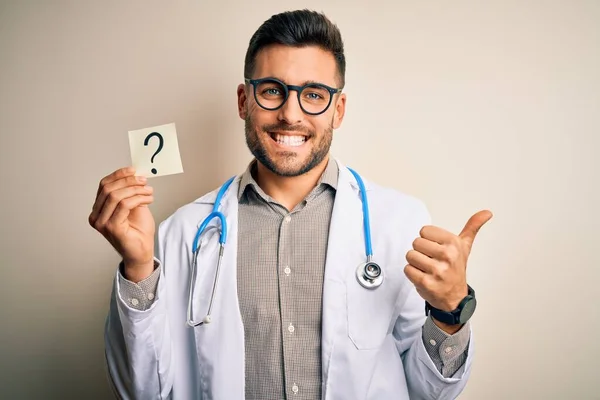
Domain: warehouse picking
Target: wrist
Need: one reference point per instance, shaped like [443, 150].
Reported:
[449, 329]
[451, 304]
[455, 317]
[136, 272]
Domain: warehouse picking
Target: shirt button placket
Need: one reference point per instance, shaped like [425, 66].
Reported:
[285, 288]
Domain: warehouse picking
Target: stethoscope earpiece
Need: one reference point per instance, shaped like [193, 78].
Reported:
[369, 275]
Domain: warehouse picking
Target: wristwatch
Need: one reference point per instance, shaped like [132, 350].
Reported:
[459, 315]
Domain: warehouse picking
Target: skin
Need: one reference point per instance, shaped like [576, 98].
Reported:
[438, 261]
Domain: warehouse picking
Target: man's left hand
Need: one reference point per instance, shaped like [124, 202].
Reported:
[437, 265]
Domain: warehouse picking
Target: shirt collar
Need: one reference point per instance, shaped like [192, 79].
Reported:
[329, 177]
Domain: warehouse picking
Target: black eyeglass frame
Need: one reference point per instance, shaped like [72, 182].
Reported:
[288, 88]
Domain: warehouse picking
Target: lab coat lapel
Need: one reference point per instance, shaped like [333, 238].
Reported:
[346, 250]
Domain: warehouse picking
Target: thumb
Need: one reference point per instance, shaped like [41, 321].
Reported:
[473, 226]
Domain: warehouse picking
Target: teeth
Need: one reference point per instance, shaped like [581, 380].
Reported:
[290, 140]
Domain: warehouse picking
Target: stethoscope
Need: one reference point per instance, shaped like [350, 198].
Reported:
[369, 274]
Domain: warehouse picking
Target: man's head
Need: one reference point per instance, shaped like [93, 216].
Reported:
[287, 133]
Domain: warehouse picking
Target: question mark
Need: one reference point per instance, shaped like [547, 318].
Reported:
[160, 146]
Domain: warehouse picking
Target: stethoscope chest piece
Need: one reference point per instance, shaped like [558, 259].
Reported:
[369, 275]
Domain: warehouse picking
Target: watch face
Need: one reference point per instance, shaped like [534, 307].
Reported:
[467, 310]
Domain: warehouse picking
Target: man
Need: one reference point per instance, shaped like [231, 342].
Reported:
[291, 316]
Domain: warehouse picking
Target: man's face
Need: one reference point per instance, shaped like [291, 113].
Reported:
[288, 141]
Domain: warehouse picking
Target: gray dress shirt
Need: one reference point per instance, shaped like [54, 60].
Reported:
[281, 263]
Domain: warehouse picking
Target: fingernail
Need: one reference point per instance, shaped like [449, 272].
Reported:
[141, 179]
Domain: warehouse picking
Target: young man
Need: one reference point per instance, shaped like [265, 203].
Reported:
[295, 313]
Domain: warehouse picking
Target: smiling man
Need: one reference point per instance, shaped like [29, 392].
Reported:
[297, 305]
[291, 139]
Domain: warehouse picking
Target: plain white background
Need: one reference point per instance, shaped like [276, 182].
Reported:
[465, 104]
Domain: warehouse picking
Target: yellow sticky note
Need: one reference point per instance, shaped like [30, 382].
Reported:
[155, 151]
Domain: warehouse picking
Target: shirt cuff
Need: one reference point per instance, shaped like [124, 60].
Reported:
[139, 295]
[448, 352]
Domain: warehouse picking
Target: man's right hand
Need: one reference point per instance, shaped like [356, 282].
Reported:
[122, 216]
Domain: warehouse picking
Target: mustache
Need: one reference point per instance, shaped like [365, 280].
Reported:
[283, 127]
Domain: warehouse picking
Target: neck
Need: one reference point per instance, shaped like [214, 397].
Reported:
[289, 191]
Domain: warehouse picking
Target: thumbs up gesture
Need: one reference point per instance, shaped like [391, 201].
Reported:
[437, 264]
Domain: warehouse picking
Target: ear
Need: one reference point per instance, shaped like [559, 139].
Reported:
[242, 99]
[339, 111]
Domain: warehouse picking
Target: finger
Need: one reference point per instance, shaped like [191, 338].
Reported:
[427, 247]
[125, 206]
[118, 174]
[115, 197]
[415, 275]
[437, 234]
[108, 188]
[420, 261]
[473, 225]
[107, 184]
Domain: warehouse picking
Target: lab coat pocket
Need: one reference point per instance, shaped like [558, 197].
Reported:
[370, 312]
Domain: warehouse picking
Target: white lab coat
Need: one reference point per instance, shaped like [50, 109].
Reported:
[371, 339]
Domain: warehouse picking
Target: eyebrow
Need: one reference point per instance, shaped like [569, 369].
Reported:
[307, 82]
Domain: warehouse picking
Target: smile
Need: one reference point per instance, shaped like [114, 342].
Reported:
[288, 140]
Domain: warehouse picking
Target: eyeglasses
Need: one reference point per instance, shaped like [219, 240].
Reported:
[271, 94]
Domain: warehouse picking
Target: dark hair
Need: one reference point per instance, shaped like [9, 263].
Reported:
[298, 29]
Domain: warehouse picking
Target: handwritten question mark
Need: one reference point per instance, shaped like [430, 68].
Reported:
[160, 146]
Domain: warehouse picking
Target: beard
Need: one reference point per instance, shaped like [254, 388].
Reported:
[287, 166]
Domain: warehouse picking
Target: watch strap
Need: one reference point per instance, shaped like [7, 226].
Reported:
[450, 317]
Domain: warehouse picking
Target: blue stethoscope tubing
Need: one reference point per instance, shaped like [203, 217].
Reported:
[366, 218]
[369, 274]
[196, 249]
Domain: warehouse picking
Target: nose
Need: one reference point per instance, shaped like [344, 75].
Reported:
[290, 111]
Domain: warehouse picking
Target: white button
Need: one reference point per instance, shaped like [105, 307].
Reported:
[432, 342]
[287, 270]
[135, 302]
[448, 350]
[295, 388]
[291, 328]
[288, 218]
[150, 296]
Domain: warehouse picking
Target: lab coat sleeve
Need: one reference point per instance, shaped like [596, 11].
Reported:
[422, 376]
[138, 345]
